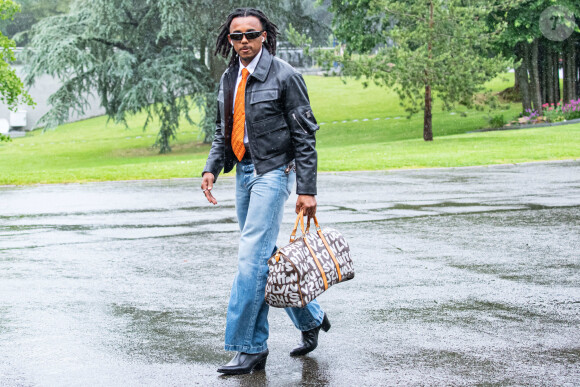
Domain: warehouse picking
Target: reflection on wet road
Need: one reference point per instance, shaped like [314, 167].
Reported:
[463, 276]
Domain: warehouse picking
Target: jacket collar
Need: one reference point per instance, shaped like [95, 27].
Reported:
[263, 67]
[261, 71]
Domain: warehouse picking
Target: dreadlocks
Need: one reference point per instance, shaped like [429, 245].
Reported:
[223, 46]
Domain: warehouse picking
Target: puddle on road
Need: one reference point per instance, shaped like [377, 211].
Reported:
[470, 312]
[168, 335]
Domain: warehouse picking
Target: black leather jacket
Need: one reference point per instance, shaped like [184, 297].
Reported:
[280, 124]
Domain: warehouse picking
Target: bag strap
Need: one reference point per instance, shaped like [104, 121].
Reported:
[320, 269]
[332, 256]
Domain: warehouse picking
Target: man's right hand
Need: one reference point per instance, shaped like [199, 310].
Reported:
[207, 185]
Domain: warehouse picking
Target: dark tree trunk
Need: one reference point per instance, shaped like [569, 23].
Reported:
[543, 71]
[522, 75]
[577, 70]
[564, 72]
[556, 65]
[536, 93]
[428, 119]
[549, 86]
[573, 65]
[516, 82]
[544, 85]
[569, 70]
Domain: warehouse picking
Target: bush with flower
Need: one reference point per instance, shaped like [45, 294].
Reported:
[553, 113]
[571, 110]
[529, 117]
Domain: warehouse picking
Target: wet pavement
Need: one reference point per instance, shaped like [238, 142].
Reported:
[463, 276]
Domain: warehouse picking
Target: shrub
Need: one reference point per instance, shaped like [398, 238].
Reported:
[571, 110]
[553, 113]
[561, 112]
[497, 121]
[531, 114]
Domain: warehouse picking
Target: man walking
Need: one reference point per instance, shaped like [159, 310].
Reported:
[266, 128]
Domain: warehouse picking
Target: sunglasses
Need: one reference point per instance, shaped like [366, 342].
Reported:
[249, 35]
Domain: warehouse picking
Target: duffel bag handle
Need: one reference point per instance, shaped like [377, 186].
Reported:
[300, 220]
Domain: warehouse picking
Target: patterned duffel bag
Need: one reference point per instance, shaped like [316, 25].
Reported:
[310, 264]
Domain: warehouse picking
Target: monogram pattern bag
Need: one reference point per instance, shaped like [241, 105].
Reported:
[308, 266]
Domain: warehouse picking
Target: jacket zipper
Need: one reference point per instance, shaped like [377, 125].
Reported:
[296, 119]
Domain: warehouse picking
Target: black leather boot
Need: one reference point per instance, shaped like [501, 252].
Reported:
[244, 363]
[310, 339]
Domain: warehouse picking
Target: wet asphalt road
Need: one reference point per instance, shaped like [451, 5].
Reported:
[463, 276]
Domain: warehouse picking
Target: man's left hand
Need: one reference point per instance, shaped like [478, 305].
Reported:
[307, 203]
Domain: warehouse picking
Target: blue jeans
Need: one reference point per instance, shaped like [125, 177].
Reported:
[260, 206]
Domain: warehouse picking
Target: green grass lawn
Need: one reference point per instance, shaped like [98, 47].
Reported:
[375, 136]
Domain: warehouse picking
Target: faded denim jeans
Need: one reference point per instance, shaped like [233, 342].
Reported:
[260, 206]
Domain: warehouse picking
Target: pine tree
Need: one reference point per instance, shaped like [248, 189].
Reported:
[154, 56]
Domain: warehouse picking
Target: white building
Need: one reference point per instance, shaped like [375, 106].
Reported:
[26, 118]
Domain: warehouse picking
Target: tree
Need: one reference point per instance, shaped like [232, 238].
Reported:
[531, 38]
[310, 18]
[31, 12]
[154, 56]
[418, 47]
[12, 90]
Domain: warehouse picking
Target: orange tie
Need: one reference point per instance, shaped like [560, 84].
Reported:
[240, 118]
